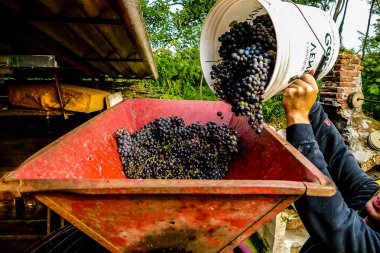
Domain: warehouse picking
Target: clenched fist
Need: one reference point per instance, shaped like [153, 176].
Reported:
[298, 99]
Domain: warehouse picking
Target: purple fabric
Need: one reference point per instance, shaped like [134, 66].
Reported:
[244, 248]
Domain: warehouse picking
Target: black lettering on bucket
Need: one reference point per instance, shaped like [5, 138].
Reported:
[311, 57]
[254, 14]
[328, 44]
[306, 57]
[328, 41]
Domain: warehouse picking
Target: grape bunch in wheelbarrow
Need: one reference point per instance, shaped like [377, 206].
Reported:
[248, 59]
[166, 148]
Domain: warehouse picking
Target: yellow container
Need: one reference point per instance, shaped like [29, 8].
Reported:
[45, 97]
[83, 99]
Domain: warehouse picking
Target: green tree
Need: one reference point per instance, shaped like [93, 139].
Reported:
[371, 71]
[180, 75]
[175, 24]
[174, 29]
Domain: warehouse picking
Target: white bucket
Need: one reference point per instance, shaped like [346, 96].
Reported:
[304, 36]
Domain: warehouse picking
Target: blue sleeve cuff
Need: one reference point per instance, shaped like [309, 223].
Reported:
[298, 134]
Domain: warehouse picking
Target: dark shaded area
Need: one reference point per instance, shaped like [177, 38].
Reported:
[66, 239]
[24, 220]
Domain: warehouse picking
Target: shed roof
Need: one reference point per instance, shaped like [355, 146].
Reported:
[93, 37]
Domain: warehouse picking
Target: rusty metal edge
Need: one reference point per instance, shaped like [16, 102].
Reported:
[152, 186]
[10, 189]
[315, 189]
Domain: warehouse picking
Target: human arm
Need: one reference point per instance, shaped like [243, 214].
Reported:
[354, 184]
[332, 225]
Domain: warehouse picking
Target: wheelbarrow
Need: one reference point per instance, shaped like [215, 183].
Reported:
[80, 177]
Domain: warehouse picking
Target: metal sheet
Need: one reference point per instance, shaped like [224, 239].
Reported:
[145, 223]
[80, 177]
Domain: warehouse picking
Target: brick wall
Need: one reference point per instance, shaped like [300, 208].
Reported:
[344, 79]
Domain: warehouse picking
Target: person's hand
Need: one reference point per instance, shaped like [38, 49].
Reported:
[298, 99]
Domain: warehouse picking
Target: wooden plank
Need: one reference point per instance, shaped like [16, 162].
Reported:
[113, 99]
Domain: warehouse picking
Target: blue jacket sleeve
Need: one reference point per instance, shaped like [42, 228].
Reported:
[355, 186]
[332, 225]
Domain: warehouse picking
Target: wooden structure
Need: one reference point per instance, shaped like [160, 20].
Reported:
[91, 40]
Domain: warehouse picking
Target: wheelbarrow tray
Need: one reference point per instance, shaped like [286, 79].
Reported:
[80, 177]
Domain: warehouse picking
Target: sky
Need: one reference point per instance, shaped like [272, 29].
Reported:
[356, 20]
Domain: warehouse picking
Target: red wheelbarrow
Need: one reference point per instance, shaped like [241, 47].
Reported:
[80, 177]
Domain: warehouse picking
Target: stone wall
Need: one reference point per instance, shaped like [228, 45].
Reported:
[343, 80]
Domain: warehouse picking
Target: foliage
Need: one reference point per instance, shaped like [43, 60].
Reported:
[174, 28]
[273, 108]
[175, 24]
[273, 112]
[371, 71]
[371, 84]
[180, 75]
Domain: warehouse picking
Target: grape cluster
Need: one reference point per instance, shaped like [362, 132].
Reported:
[248, 58]
[168, 149]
